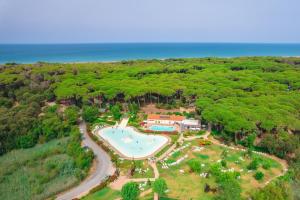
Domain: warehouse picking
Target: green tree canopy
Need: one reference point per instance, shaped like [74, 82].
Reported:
[90, 113]
[160, 186]
[130, 191]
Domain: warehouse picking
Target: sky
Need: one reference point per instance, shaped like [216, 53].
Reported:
[105, 21]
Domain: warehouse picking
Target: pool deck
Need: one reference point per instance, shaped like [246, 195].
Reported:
[97, 133]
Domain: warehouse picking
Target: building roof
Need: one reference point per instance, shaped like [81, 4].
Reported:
[165, 117]
[190, 122]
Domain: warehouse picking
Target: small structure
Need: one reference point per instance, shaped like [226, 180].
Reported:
[190, 124]
[165, 119]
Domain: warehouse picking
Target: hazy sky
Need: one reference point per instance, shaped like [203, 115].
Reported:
[67, 21]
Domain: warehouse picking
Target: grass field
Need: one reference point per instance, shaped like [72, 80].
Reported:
[38, 172]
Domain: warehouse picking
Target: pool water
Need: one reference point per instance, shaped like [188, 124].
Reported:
[131, 143]
[162, 128]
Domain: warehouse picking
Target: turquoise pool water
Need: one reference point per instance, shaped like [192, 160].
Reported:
[131, 143]
[162, 128]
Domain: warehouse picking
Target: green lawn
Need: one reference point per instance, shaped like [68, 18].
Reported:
[38, 172]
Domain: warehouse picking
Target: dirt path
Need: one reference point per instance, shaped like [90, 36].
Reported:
[101, 169]
[205, 136]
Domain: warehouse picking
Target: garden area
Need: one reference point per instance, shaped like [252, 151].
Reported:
[135, 168]
[200, 171]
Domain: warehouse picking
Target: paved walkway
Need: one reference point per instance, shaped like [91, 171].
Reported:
[155, 170]
[124, 122]
[146, 192]
[103, 167]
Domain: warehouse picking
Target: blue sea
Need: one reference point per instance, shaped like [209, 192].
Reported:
[31, 53]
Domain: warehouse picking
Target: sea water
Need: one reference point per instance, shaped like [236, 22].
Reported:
[31, 53]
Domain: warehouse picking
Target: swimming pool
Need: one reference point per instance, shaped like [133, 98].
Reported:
[131, 143]
[162, 128]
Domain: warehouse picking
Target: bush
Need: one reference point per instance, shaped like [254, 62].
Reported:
[116, 112]
[130, 191]
[195, 165]
[52, 109]
[266, 165]
[27, 141]
[71, 114]
[253, 165]
[230, 189]
[223, 163]
[90, 113]
[53, 127]
[277, 190]
[201, 132]
[215, 169]
[259, 176]
[160, 186]
[204, 142]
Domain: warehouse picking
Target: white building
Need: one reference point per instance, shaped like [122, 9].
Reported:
[190, 124]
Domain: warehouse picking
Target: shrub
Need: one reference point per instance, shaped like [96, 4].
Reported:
[259, 176]
[204, 142]
[215, 169]
[223, 163]
[253, 165]
[116, 112]
[266, 165]
[130, 191]
[71, 114]
[160, 186]
[230, 190]
[277, 190]
[90, 113]
[27, 141]
[195, 165]
[201, 132]
[52, 109]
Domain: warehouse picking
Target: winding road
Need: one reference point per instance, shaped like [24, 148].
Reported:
[101, 168]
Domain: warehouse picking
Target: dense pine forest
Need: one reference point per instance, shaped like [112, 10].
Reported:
[253, 101]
